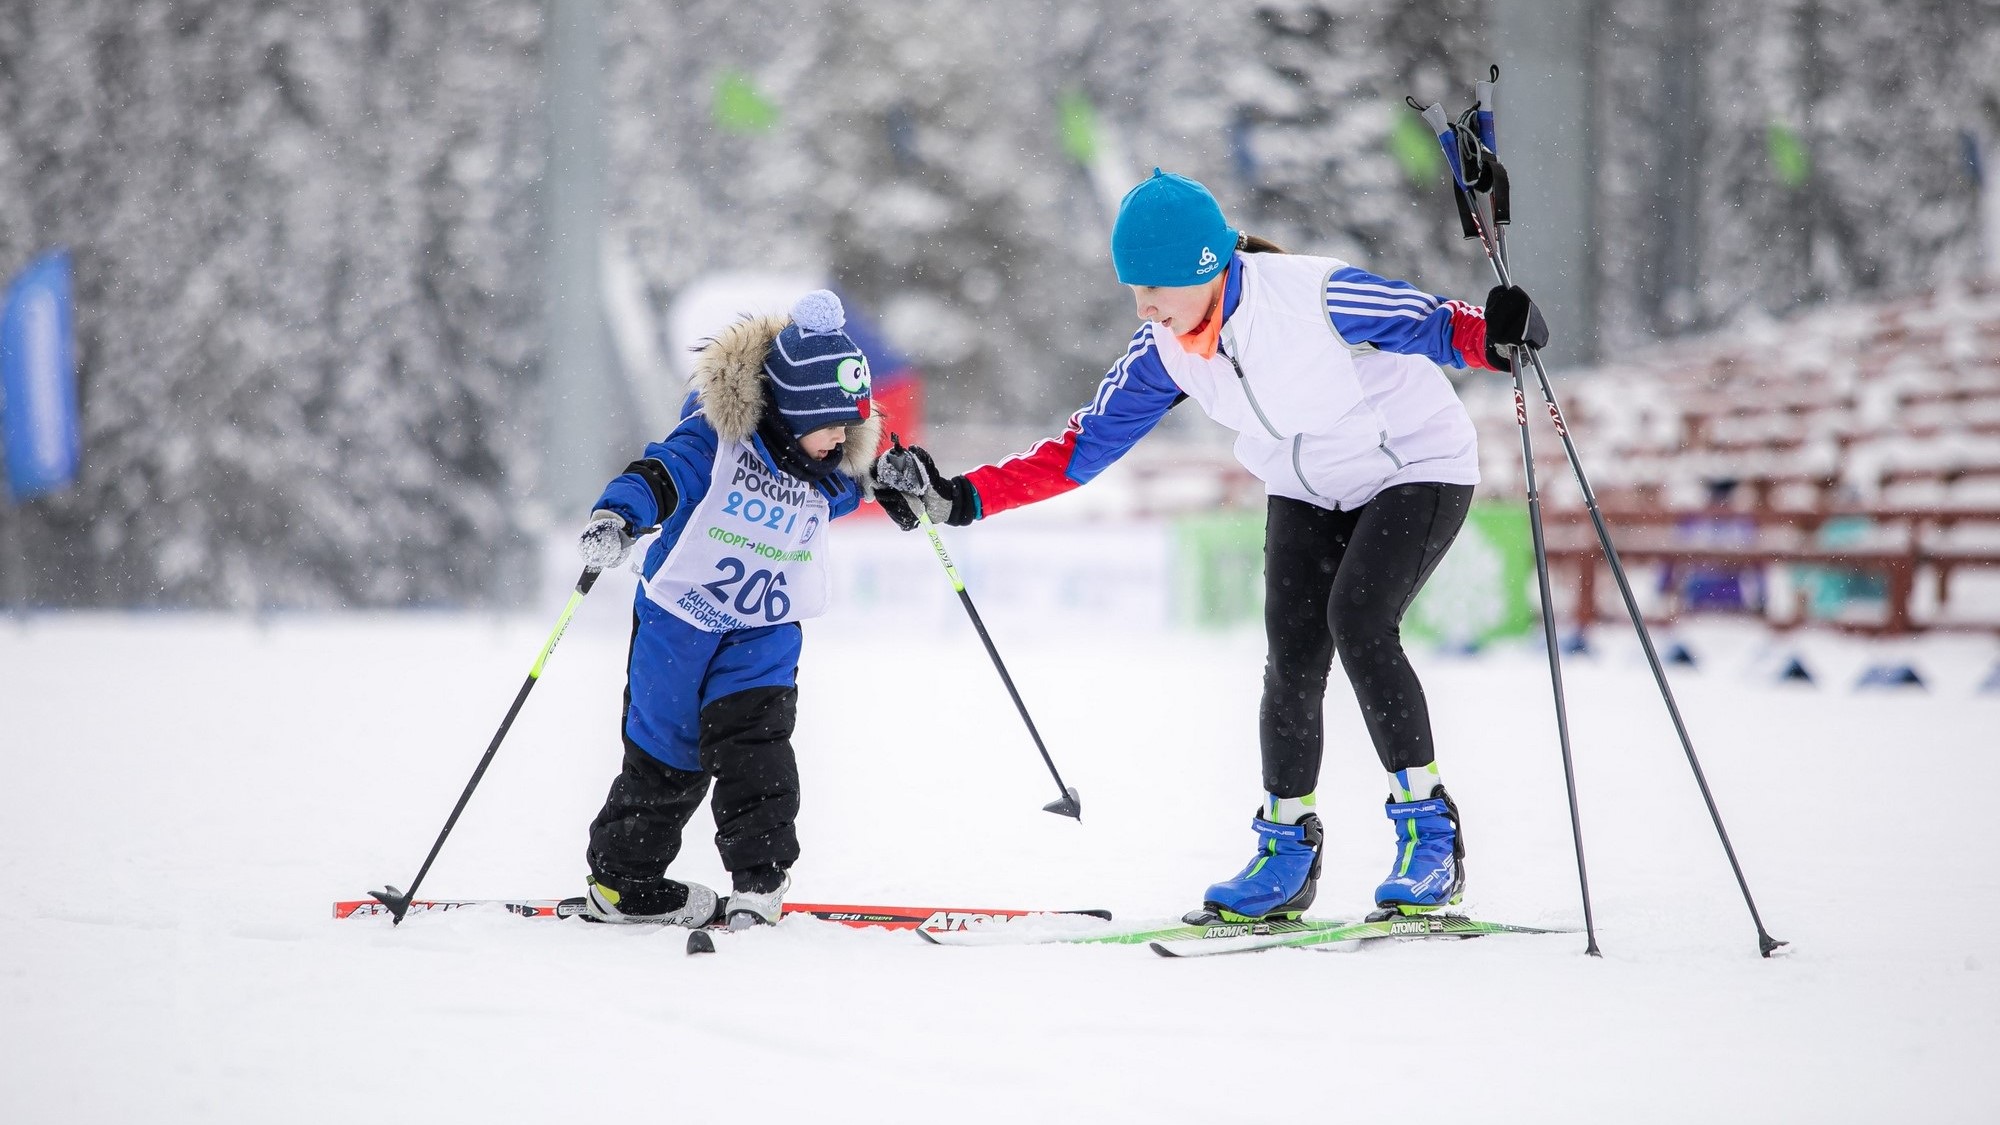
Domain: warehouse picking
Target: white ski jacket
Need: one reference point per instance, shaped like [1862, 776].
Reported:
[1328, 374]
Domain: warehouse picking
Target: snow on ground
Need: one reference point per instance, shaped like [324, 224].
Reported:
[183, 797]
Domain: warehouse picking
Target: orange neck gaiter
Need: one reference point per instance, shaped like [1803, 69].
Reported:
[1204, 337]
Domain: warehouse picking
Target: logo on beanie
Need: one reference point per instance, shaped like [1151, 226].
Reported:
[852, 375]
[1208, 261]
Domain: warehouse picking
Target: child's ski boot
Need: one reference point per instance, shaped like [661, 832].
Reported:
[759, 898]
[658, 901]
[1278, 883]
[1429, 871]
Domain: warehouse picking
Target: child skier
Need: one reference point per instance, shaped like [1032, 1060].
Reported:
[1329, 375]
[772, 445]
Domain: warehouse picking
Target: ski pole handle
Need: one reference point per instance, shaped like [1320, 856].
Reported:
[1482, 94]
[1448, 140]
[1447, 137]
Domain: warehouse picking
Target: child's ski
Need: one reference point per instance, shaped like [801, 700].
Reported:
[1416, 926]
[924, 919]
[525, 907]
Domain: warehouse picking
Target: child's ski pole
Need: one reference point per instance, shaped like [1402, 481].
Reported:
[397, 901]
[1068, 804]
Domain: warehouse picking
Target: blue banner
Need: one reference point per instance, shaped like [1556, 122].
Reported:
[38, 422]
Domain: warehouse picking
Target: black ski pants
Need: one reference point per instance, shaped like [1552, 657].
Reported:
[1341, 582]
[746, 748]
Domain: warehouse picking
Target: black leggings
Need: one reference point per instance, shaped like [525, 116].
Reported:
[1341, 581]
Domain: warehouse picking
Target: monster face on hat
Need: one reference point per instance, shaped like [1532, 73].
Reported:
[818, 375]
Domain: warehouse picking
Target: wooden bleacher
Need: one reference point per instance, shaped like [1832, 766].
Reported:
[1745, 452]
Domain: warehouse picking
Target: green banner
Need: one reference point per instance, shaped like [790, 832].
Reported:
[1480, 593]
[1219, 568]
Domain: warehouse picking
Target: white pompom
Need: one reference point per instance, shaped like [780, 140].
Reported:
[819, 311]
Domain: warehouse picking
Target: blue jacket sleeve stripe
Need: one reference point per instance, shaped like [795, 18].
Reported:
[1136, 393]
[1132, 398]
[1393, 316]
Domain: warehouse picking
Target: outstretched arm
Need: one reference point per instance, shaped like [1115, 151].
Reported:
[1136, 393]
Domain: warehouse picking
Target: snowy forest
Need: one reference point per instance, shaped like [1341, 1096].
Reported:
[311, 241]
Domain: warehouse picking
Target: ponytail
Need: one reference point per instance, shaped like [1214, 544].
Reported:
[1251, 244]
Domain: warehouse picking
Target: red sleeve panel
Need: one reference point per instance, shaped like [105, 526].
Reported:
[1468, 333]
[1038, 474]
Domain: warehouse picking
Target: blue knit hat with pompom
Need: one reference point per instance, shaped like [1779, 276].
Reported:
[818, 374]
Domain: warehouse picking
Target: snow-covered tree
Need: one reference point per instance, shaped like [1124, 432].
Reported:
[1760, 154]
[304, 244]
[308, 238]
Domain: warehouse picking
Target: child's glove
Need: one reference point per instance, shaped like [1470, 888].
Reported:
[904, 478]
[1512, 319]
[604, 542]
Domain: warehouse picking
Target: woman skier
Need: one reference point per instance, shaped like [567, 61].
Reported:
[1330, 377]
[772, 445]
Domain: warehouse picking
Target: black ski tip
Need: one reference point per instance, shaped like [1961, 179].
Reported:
[397, 902]
[700, 942]
[1161, 949]
[1069, 805]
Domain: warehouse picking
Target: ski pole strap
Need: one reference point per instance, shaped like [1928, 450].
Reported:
[1483, 173]
[1448, 140]
[1494, 176]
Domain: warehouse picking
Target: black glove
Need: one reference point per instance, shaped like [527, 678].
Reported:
[1512, 319]
[906, 477]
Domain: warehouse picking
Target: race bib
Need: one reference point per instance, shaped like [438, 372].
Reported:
[752, 554]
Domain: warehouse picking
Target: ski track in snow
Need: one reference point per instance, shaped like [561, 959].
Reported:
[183, 797]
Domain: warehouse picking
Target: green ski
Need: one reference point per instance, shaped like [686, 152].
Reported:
[1038, 932]
[1414, 926]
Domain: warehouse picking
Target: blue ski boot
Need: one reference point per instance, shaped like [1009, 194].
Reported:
[1429, 871]
[1280, 882]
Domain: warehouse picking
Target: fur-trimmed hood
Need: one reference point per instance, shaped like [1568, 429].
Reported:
[729, 387]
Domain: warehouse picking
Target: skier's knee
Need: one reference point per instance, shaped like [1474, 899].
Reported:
[755, 721]
[1361, 630]
[746, 742]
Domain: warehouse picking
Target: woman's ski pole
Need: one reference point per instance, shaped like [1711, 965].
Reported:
[1068, 804]
[398, 901]
[1494, 244]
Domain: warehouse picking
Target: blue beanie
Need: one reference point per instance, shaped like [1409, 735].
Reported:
[818, 375]
[1169, 233]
